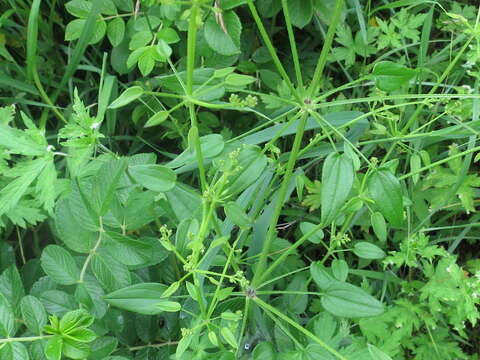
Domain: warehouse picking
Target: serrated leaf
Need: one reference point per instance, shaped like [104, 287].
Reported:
[105, 183]
[116, 31]
[33, 314]
[385, 189]
[14, 351]
[163, 49]
[221, 42]
[7, 318]
[79, 8]
[102, 347]
[59, 264]
[11, 286]
[82, 335]
[27, 172]
[57, 302]
[74, 349]
[129, 95]
[169, 35]
[264, 351]
[110, 273]
[301, 12]
[127, 250]
[377, 354]
[337, 182]
[53, 349]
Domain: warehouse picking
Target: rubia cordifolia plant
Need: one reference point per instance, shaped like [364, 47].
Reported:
[315, 233]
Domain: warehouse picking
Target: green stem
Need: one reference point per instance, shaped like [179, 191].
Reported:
[435, 87]
[322, 60]
[24, 339]
[290, 250]
[272, 51]
[280, 200]
[92, 252]
[191, 44]
[300, 328]
[293, 44]
[439, 162]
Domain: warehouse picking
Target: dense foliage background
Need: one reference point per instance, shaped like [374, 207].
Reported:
[239, 179]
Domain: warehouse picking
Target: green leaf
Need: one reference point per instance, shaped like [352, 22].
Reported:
[239, 80]
[105, 184]
[129, 95]
[366, 250]
[53, 350]
[337, 181]
[377, 354]
[316, 237]
[11, 286]
[90, 295]
[102, 347]
[116, 31]
[14, 351]
[82, 335]
[153, 177]
[146, 61]
[26, 173]
[7, 318]
[385, 189]
[340, 269]
[301, 12]
[74, 29]
[221, 42]
[229, 337]
[320, 275]
[347, 300]
[59, 265]
[236, 214]
[140, 40]
[33, 314]
[78, 8]
[18, 142]
[211, 145]
[74, 349]
[168, 306]
[157, 118]
[111, 274]
[379, 226]
[169, 35]
[74, 320]
[74, 224]
[252, 163]
[163, 49]
[57, 302]
[127, 250]
[390, 76]
[140, 298]
[264, 351]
